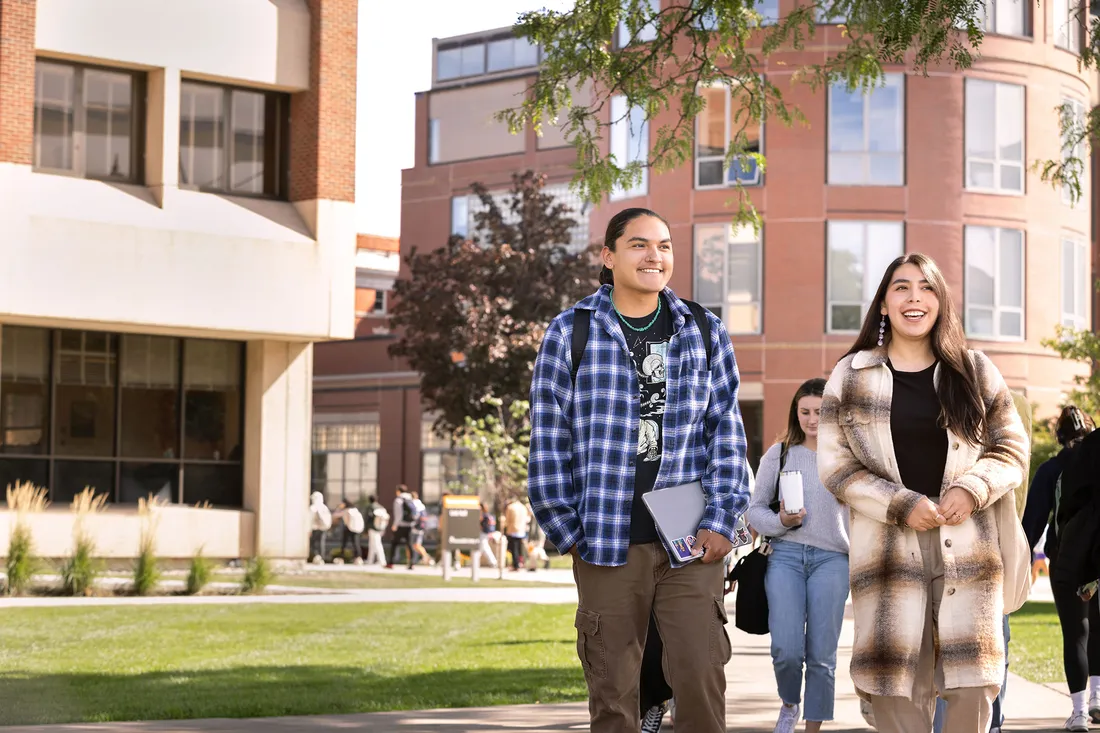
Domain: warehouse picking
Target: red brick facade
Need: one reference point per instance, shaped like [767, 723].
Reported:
[322, 155]
[17, 81]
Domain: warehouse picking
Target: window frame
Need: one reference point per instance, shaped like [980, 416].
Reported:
[1080, 277]
[281, 144]
[725, 306]
[1077, 150]
[380, 296]
[78, 145]
[646, 33]
[1071, 24]
[864, 254]
[622, 123]
[866, 154]
[758, 177]
[997, 308]
[996, 161]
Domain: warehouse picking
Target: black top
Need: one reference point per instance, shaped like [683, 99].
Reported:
[648, 350]
[920, 443]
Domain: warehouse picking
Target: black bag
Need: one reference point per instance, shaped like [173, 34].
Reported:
[751, 604]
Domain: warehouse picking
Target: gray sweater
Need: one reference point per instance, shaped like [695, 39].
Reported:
[825, 525]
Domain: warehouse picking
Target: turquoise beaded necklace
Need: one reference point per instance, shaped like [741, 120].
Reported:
[630, 325]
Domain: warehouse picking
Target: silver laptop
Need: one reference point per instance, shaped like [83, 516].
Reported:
[677, 512]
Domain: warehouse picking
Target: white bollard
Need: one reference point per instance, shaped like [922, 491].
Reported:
[500, 560]
[475, 566]
[447, 566]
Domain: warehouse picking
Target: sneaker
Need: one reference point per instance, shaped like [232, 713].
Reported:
[672, 712]
[788, 719]
[1078, 722]
[1094, 710]
[358, 561]
[651, 722]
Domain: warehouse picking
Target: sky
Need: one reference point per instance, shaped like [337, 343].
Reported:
[395, 60]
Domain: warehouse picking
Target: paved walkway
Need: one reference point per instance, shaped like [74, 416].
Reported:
[751, 706]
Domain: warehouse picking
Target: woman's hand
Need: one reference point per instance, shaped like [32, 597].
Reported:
[957, 506]
[790, 520]
[925, 516]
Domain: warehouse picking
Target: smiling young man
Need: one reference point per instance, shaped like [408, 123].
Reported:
[648, 406]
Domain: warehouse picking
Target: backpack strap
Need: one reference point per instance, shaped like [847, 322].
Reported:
[701, 320]
[582, 319]
[582, 322]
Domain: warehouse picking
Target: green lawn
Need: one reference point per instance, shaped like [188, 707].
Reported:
[1035, 651]
[110, 664]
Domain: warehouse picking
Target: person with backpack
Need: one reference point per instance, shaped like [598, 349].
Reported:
[807, 577]
[378, 519]
[419, 528]
[488, 527]
[320, 519]
[354, 524]
[1046, 511]
[651, 403]
[404, 516]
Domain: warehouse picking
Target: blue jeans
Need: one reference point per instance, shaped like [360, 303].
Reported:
[807, 588]
[998, 719]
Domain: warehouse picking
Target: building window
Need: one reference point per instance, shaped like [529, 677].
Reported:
[858, 254]
[728, 274]
[87, 121]
[647, 32]
[828, 14]
[444, 469]
[994, 283]
[713, 135]
[511, 53]
[433, 140]
[1005, 17]
[129, 415]
[1067, 25]
[994, 136]
[345, 460]
[1075, 282]
[233, 140]
[629, 144]
[1074, 120]
[381, 301]
[460, 215]
[867, 134]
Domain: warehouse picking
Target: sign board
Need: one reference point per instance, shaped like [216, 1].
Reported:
[460, 522]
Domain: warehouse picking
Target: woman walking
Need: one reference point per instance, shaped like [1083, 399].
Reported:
[1052, 507]
[807, 577]
[920, 437]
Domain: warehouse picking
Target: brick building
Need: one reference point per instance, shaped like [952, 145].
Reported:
[939, 163]
[178, 229]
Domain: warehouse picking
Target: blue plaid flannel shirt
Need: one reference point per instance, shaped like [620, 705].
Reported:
[584, 442]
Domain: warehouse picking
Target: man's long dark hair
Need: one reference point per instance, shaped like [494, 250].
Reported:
[961, 406]
[615, 229]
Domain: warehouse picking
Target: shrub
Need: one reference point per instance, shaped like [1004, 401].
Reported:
[79, 572]
[23, 498]
[146, 572]
[199, 574]
[258, 575]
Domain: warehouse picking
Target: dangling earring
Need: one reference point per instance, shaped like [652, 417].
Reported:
[881, 329]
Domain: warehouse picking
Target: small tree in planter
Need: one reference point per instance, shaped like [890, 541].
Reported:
[79, 572]
[23, 499]
[146, 572]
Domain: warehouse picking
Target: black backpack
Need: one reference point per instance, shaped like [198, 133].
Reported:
[581, 326]
[408, 511]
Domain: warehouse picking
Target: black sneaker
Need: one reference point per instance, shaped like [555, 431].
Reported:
[651, 721]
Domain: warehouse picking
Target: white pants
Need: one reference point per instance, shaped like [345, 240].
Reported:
[486, 551]
[376, 553]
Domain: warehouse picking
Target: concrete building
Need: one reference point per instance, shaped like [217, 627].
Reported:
[178, 229]
[939, 163]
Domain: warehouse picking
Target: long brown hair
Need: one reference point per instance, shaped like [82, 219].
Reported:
[961, 406]
[795, 435]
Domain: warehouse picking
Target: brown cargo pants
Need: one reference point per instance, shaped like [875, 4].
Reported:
[612, 622]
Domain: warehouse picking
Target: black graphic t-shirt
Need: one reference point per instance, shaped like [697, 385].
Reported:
[648, 349]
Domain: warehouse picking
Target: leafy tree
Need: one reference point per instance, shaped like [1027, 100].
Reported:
[500, 444]
[690, 44]
[473, 313]
[1082, 346]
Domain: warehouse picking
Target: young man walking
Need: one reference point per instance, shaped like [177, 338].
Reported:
[648, 405]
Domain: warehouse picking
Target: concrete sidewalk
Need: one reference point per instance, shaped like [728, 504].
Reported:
[751, 706]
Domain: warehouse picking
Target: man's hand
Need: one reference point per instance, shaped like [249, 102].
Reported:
[573, 551]
[790, 520]
[925, 516]
[714, 546]
[393, 528]
[957, 506]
